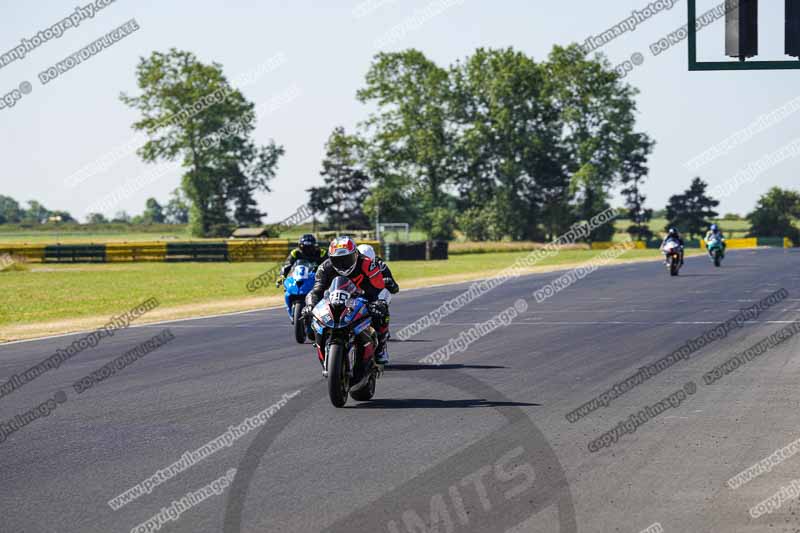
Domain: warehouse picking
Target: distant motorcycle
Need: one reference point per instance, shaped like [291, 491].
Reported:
[715, 251]
[347, 349]
[296, 286]
[672, 251]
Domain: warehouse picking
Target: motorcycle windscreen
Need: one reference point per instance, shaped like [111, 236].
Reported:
[341, 283]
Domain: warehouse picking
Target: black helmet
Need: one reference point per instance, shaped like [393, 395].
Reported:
[308, 244]
[672, 232]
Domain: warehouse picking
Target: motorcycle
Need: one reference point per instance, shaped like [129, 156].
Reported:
[673, 252]
[347, 349]
[296, 286]
[715, 251]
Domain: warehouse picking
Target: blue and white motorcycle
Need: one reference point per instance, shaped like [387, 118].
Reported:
[347, 347]
[296, 286]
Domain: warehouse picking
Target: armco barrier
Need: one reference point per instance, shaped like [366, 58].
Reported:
[125, 252]
[75, 253]
[258, 250]
[751, 242]
[261, 250]
[197, 251]
[605, 245]
[33, 253]
[740, 243]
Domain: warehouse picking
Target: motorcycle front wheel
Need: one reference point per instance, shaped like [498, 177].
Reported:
[338, 381]
[299, 323]
[674, 266]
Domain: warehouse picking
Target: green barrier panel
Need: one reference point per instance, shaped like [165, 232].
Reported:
[439, 250]
[770, 241]
[397, 251]
[75, 253]
[196, 251]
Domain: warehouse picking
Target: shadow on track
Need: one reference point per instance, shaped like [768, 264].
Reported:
[407, 367]
[432, 403]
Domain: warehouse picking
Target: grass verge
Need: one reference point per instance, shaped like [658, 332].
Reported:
[50, 299]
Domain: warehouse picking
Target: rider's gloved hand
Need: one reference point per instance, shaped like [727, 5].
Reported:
[279, 281]
[379, 309]
[307, 311]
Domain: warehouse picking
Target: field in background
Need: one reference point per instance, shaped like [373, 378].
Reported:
[99, 234]
[730, 228]
[92, 233]
[51, 292]
[40, 237]
[490, 247]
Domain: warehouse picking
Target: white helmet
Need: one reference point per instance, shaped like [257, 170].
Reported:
[367, 250]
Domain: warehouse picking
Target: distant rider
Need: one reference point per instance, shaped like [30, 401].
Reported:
[344, 259]
[673, 235]
[714, 234]
[308, 250]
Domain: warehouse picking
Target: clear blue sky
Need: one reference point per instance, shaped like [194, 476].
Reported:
[77, 118]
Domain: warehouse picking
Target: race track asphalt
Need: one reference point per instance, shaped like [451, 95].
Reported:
[480, 443]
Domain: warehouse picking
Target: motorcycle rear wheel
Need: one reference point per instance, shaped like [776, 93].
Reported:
[365, 394]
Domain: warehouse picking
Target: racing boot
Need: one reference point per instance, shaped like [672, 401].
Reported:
[382, 350]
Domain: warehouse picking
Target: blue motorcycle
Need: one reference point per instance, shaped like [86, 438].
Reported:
[296, 286]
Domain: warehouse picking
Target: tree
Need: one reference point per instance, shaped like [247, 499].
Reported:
[442, 223]
[177, 210]
[96, 218]
[775, 215]
[391, 198]
[692, 211]
[409, 131]
[36, 213]
[63, 215]
[506, 150]
[10, 213]
[634, 171]
[121, 217]
[530, 148]
[153, 212]
[342, 197]
[597, 112]
[192, 114]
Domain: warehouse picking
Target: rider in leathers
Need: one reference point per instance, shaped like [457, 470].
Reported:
[714, 233]
[345, 260]
[673, 235]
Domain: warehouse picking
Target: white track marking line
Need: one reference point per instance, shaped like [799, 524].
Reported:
[149, 324]
[614, 322]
